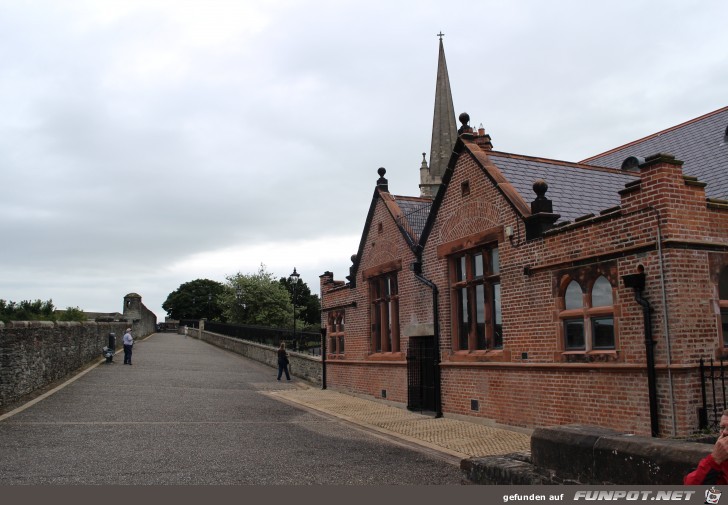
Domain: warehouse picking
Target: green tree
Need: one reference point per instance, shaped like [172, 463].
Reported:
[257, 299]
[308, 305]
[27, 311]
[72, 314]
[198, 299]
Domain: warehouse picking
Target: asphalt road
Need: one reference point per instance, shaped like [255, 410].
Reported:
[189, 413]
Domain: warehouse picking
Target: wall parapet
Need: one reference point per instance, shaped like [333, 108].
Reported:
[34, 354]
[303, 366]
[590, 455]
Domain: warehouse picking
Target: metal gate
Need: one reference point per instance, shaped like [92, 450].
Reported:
[714, 399]
[421, 373]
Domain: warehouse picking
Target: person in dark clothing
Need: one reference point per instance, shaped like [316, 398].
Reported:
[283, 362]
[713, 469]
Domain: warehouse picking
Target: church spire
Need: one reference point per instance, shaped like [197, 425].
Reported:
[444, 131]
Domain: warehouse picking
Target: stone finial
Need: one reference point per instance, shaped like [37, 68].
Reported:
[382, 183]
[541, 203]
[464, 118]
[542, 213]
[351, 277]
[424, 166]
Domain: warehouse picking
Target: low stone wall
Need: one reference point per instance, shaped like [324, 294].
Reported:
[588, 455]
[34, 354]
[302, 365]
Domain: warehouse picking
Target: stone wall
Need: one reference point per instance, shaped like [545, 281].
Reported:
[144, 321]
[34, 354]
[589, 455]
[302, 365]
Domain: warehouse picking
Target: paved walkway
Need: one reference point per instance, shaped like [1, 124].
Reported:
[191, 413]
[462, 439]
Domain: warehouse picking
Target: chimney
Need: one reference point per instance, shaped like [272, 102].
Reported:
[483, 139]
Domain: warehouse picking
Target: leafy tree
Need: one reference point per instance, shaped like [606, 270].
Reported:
[72, 314]
[257, 299]
[198, 299]
[27, 311]
[308, 306]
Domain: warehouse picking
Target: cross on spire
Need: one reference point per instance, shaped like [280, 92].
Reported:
[441, 35]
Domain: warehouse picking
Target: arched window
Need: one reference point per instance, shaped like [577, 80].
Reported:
[588, 321]
[573, 298]
[602, 320]
[573, 317]
[723, 295]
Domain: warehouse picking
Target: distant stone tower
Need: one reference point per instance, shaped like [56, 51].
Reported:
[444, 131]
[132, 307]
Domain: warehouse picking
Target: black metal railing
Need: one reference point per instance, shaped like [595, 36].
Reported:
[714, 394]
[303, 342]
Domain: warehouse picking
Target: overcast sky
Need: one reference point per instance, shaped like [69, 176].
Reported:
[144, 144]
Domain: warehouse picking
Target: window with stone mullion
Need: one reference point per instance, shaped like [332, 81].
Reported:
[477, 294]
[385, 313]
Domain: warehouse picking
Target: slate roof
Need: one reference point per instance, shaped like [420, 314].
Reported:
[575, 189]
[701, 143]
[415, 211]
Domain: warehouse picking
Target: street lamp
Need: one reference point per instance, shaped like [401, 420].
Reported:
[294, 279]
[239, 299]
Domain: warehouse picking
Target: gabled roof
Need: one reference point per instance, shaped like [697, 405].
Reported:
[408, 212]
[574, 189]
[700, 143]
[414, 213]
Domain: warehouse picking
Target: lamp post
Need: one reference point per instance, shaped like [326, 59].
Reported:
[294, 279]
[241, 304]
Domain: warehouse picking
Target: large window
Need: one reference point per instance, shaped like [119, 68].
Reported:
[336, 332]
[384, 296]
[723, 294]
[476, 294]
[588, 318]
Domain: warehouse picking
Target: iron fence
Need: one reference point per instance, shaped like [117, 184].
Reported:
[713, 390]
[303, 342]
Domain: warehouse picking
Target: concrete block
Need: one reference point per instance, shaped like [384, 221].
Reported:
[569, 450]
[593, 455]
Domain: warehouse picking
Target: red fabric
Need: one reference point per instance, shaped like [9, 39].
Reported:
[708, 472]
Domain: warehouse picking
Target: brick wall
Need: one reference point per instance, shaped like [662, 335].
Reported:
[532, 382]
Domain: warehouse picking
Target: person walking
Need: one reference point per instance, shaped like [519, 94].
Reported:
[283, 362]
[128, 343]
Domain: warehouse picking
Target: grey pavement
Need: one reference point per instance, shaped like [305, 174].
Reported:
[189, 413]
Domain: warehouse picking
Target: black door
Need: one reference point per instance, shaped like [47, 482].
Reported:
[421, 373]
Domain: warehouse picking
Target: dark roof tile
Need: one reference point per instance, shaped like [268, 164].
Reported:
[700, 143]
[575, 190]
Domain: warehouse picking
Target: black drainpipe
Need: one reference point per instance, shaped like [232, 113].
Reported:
[323, 358]
[417, 270]
[637, 281]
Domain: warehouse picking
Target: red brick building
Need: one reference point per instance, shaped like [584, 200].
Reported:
[537, 292]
